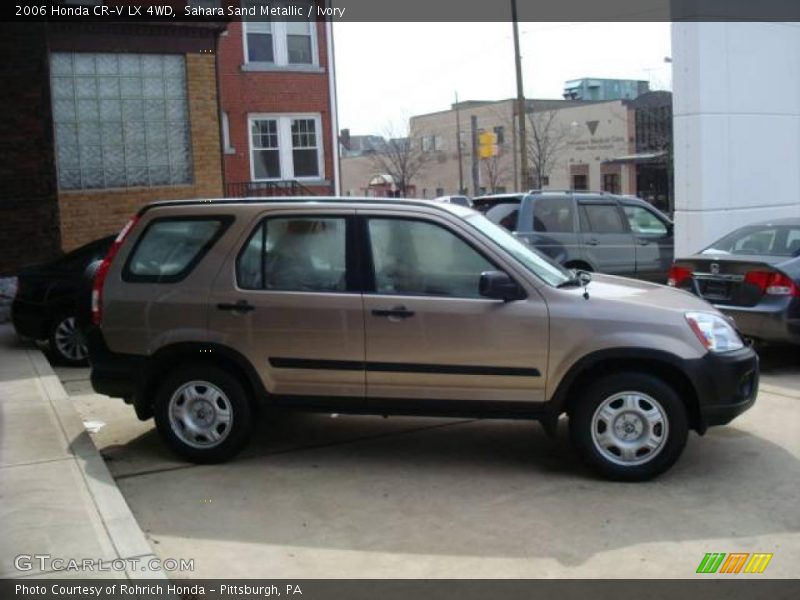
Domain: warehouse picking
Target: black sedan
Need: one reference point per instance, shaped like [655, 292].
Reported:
[753, 275]
[45, 305]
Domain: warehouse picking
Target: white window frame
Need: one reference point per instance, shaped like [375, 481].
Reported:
[284, 121]
[280, 47]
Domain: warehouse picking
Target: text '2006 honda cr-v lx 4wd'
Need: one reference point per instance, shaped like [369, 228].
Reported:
[203, 309]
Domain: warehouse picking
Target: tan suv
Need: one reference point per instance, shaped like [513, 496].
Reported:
[204, 309]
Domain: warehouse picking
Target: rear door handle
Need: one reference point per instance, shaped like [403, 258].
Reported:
[397, 312]
[242, 306]
[592, 242]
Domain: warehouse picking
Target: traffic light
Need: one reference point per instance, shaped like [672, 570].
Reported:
[487, 144]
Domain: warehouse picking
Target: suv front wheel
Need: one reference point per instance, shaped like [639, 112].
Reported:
[630, 426]
[203, 413]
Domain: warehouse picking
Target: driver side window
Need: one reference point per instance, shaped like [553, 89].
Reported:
[423, 259]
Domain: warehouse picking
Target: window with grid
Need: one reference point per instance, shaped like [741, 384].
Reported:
[121, 120]
[285, 147]
[278, 43]
[304, 148]
[266, 152]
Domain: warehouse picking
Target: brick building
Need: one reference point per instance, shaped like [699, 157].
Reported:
[101, 118]
[277, 108]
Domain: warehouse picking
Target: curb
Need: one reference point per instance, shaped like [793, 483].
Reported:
[121, 526]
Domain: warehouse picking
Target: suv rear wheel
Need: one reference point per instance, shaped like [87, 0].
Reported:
[630, 426]
[203, 413]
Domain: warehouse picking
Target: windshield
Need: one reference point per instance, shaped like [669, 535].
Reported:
[760, 240]
[535, 262]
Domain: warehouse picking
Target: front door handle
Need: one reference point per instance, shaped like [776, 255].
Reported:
[592, 242]
[396, 312]
[242, 306]
[644, 242]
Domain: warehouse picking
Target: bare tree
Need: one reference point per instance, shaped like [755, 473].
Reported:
[496, 171]
[548, 138]
[401, 157]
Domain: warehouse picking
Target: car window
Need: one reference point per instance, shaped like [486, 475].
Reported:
[505, 214]
[644, 221]
[601, 218]
[295, 254]
[424, 259]
[554, 215]
[768, 240]
[170, 247]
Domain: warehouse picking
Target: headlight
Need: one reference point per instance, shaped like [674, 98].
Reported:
[714, 332]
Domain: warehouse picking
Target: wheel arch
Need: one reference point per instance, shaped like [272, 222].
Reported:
[170, 357]
[664, 365]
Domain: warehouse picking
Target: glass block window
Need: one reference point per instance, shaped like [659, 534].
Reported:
[121, 120]
[285, 147]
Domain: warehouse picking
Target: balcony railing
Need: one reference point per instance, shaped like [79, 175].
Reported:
[251, 189]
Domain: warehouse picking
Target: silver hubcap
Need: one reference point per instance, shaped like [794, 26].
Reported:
[200, 414]
[629, 428]
[70, 341]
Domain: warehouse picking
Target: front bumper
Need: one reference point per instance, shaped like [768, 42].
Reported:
[726, 385]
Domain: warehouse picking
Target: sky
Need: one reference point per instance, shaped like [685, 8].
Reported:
[387, 72]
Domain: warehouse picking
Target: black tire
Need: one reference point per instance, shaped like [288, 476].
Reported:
[67, 342]
[174, 431]
[674, 428]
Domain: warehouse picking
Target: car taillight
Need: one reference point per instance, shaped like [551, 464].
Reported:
[772, 283]
[677, 275]
[102, 272]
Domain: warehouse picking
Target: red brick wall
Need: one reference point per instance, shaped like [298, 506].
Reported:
[244, 92]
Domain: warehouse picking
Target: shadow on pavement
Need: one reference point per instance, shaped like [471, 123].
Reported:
[465, 488]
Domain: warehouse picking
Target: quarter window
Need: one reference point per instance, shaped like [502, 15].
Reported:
[554, 215]
[295, 254]
[423, 259]
[169, 248]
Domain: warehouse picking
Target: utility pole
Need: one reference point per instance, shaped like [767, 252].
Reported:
[458, 143]
[476, 183]
[523, 145]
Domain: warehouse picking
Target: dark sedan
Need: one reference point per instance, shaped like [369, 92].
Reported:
[45, 305]
[753, 275]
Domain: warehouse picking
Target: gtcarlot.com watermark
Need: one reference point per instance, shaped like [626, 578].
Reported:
[48, 562]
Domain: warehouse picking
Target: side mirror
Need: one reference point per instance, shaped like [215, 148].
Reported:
[497, 285]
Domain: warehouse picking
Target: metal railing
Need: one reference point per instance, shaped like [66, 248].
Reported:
[249, 189]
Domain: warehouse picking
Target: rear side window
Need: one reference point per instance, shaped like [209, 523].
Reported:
[601, 218]
[554, 215]
[295, 254]
[169, 248]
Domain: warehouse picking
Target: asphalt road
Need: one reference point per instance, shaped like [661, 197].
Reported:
[322, 496]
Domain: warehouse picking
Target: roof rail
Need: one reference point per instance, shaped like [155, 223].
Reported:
[539, 191]
[291, 199]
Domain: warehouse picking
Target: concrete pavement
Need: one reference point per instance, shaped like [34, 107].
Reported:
[57, 497]
[315, 496]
